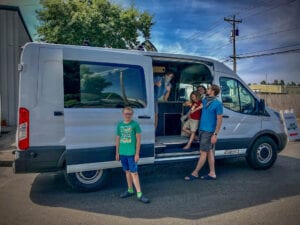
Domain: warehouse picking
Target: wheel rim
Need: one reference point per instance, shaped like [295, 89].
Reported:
[264, 153]
[89, 177]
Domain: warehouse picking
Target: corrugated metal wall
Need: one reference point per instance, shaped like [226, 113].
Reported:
[13, 36]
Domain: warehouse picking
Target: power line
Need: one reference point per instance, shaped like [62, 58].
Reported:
[252, 36]
[268, 54]
[216, 24]
[267, 50]
[269, 9]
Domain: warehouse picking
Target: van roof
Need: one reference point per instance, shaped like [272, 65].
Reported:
[218, 66]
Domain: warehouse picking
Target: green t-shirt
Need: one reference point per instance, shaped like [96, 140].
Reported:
[127, 133]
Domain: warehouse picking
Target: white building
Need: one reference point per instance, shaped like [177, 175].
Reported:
[13, 35]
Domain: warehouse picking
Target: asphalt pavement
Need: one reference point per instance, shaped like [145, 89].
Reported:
[241, 195]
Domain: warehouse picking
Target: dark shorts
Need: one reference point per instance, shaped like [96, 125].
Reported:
[128, 163]
[205, 141]
[156, 106]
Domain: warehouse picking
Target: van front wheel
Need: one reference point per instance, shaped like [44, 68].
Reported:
[262, 154]
[87, 181]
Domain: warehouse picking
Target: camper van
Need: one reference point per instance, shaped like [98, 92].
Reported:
[70, 101]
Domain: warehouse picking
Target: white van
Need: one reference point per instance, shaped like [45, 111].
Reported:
[71, 98]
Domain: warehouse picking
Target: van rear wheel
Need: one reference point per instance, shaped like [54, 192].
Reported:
[263, 154]
[87, 181]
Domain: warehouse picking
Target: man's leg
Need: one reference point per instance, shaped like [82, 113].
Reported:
[156, 113]
[200, 163]
[211, 163]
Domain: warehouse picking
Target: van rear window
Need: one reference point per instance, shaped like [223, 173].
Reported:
[103, 85]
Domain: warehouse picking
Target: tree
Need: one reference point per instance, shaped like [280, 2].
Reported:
[100, 22]
[275, 82]
[292, 83]
[263, 82]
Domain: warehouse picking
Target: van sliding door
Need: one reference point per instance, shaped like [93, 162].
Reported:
[97, 85]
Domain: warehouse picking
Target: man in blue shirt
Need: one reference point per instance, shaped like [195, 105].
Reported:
[210, 125]
[162, 88]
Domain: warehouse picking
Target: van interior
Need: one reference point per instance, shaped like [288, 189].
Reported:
[188, 75]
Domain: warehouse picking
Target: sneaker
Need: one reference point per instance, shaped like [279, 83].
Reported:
[126, 194]
[144, 199]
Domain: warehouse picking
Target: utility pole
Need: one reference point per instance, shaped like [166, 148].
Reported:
[234, 33]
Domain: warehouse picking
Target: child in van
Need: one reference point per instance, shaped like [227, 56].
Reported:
[128, 142]
[191, 125]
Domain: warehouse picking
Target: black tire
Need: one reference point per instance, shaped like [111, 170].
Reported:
[87, 181]
[263, 153]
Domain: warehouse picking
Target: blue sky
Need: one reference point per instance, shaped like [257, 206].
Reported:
[197, 27]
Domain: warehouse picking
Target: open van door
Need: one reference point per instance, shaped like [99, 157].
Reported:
[97, 85]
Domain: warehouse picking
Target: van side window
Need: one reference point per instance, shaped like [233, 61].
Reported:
[103, 85]
[236, 97]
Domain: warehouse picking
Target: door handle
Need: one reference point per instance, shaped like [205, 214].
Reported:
[58, 113]
[144, 117]
[225, 116]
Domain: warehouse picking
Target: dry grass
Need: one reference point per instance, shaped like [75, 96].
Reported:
[283, 102]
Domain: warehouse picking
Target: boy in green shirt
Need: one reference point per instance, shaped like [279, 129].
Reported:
[128, 142]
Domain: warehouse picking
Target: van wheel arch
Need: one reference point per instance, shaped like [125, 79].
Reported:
[61, 163]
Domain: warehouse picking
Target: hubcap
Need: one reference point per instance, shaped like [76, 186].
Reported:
[264, 153]
[89, 177]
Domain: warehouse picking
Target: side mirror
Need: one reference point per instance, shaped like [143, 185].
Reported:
[261, 107]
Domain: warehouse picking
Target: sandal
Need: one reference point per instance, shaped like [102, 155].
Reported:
[208, 177]
[186, 148]
[191, 177]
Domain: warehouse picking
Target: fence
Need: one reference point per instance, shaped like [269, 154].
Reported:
[283, 102]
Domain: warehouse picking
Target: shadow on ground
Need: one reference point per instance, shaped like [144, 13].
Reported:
[237, 187]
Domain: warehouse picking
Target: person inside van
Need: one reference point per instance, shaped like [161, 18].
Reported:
[210, 125]
[202, 91]
[162, 89]
[191, 125]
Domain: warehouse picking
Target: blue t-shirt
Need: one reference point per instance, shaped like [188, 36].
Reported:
[162, 90]
[209, 115]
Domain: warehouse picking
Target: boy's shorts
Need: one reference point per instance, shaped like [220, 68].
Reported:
[128, 163]
[205, 141]
[192, 124]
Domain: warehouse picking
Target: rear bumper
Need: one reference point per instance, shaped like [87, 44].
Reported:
[282, 141]
[38, 159]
